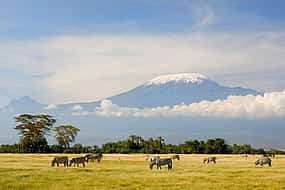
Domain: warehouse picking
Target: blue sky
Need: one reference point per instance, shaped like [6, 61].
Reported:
[51, 49]
[36, 19]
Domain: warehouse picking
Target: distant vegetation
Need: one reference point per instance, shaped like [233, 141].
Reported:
[136, 144]
[33, 130]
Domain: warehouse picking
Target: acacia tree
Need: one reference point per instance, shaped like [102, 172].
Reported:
[65, 134]
[33, 129]
[135, 142]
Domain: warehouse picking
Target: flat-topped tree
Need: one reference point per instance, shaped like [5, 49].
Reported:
[33, 129]
[65, 134]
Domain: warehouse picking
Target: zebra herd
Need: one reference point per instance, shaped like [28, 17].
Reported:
[156, 160]
[153, 160]
[77, 160]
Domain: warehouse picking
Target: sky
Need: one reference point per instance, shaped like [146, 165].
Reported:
[60, 51]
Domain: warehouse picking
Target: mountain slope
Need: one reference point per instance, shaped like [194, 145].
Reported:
[175, 89]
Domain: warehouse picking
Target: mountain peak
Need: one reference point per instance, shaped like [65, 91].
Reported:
[183, 77]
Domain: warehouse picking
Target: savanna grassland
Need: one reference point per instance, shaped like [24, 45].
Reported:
[33, 172]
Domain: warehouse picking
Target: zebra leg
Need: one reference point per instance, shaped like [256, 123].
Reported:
[169, 166]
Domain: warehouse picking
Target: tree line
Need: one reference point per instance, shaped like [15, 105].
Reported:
[137, 144]
[33, 130]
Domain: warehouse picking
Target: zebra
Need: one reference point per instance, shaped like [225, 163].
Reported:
[262, 161]
[176, 156]
[152, 158]
[60, 160]
[161, 162]
[210, 159]
[93, 157]
[77, 161]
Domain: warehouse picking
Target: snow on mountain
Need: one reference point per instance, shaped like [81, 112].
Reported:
[184, 78]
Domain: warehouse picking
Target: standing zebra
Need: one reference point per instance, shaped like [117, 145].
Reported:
[93, 157]
[161, 162]
[60, 160]
[210, 159]
[77, 161]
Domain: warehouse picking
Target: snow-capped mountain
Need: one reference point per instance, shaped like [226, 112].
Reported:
[176, 89]
[163, 90]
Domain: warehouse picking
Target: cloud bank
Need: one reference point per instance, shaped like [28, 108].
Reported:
[251, 107]
[90, 67]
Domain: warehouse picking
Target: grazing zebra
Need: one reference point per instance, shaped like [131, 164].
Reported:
[77, 161]
[176, 156]
[93, 157]
[262, 161]
[161, 162]
[210, 159]
[60, 160]
[152, 158]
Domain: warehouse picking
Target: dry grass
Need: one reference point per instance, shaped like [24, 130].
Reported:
[33, 172]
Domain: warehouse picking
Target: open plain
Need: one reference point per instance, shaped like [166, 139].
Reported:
[131, 171]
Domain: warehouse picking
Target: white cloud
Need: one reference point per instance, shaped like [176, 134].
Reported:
[92, 67]
[50, 107]
[77, 108]
[266, 106]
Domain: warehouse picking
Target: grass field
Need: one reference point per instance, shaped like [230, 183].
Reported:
[33, 172]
